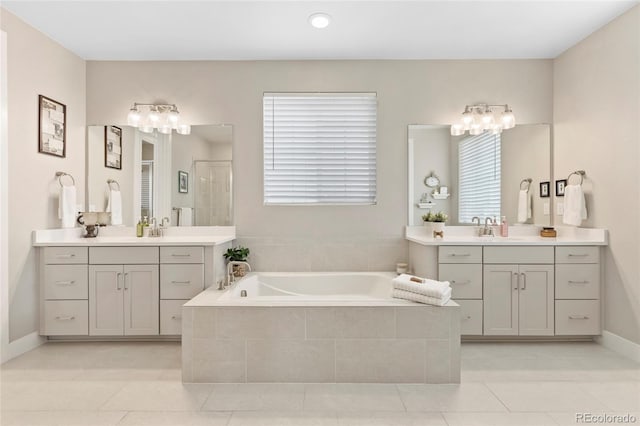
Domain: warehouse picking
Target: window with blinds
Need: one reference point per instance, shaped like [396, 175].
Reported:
[479, 177]
[319, 148]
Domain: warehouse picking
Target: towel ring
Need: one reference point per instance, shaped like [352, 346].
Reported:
[60, 175]
[527, 181]
[580, 173]
[112, 181]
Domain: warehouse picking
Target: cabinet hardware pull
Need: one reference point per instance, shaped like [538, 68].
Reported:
[176, 317]
[461, 282]
[118, 287]
[516, 276]
[65, 256]
[524, 281]
[578, 317]
[65, 282]
[579, 282]
[68, 318]
[461, 254]
[126, 274]
[181, 282]
[578, 255]
[180, 255]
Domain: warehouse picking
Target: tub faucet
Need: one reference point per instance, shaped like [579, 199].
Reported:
[230, 277]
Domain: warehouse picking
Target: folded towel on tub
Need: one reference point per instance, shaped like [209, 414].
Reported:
[414, 297]
[430, 288]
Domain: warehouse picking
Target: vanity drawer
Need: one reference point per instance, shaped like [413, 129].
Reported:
[123, 255]
[578, 254]
[66, 318]
[460, 254]
[518, 254]
[470, 317]
[577, 317]
[578, 281]
[465, 280]
[181, 281]
[65, 255]
[171, 317]
[182, 254]
[66, 282]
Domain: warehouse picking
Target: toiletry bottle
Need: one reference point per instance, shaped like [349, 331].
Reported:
[139, 228]
[504, 227]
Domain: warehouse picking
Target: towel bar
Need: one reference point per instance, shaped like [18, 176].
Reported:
[60, 175]
[580, 173]
[110, 181]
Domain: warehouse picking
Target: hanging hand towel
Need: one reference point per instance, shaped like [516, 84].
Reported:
[67, 206]
[524, 206]
[114, 206]
[186, 216]
[575, 206]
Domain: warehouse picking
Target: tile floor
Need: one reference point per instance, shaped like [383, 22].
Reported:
[514, 384]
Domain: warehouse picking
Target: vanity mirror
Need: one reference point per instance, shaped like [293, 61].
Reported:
[478, 175]
[149, 179]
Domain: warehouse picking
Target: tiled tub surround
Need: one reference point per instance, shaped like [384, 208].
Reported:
[244, 341]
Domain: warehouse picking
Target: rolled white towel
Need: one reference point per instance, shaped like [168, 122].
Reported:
[430, 288]
[419, 298]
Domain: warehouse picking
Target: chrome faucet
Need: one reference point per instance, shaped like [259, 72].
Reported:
[163, 225]
[488, 229]
[230, 277]
[153, 228]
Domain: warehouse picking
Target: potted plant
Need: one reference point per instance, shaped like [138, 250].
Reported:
[427, 219]
[237, 254]
[438, 221]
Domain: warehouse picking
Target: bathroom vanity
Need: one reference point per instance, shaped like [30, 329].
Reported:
[116, 285]
[523, 285]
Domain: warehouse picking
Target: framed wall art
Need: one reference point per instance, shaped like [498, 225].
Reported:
[113, 147]
[183, 182]
[545, 189]
[52, 127]
[560, 185]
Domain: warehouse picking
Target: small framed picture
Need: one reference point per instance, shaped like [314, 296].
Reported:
[545, 188]
[560, 185]
[113, 147]
[52, 127]
[183, 182]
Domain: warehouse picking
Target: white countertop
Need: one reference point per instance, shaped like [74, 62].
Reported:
[125, 236]
[526, 235]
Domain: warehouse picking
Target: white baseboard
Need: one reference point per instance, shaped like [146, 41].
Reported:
[620, 345]
[22, 345]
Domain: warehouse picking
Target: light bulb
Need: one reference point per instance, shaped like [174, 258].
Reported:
[173, 116]
[457, 129]
[133, 118]
[508, 119]
[184, 129]
[467, 119]
[487, 119]
[153, 115]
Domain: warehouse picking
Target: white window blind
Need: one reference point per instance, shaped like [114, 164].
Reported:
[479, 177]
[320, 148]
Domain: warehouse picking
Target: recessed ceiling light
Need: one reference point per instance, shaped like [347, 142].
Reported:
[320, 20]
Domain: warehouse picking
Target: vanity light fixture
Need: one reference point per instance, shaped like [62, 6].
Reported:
[319, 20]
[161, 117]
[481, 118]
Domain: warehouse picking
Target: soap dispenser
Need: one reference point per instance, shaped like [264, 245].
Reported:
[139, 228]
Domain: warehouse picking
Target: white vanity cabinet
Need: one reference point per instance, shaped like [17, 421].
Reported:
[124, 291]
[64, 291]
[181, 278]
[462, 267]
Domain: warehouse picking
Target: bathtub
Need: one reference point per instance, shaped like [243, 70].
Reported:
[317, 327]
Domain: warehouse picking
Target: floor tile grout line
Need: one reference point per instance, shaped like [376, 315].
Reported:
[400, 396]
[486, 385]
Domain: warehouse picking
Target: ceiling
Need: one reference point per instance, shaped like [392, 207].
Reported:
[246, 30]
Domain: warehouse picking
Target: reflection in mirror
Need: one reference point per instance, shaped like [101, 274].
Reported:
[478, 175]
[148, 180]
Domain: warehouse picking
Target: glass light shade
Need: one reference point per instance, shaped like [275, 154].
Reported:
[508, 119]
[487, 119]
[496, 129]
[165, 129]
[153, 116]
[173, 116]
[476, 129]
[457, 129]
[133, 118]
[146, 128]
[467, 119]
[184, 129]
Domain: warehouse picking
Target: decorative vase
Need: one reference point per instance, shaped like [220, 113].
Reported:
[239, 271]
[438, 229]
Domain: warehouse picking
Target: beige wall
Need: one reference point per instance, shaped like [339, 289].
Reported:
[37, 65]
[597, 128]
